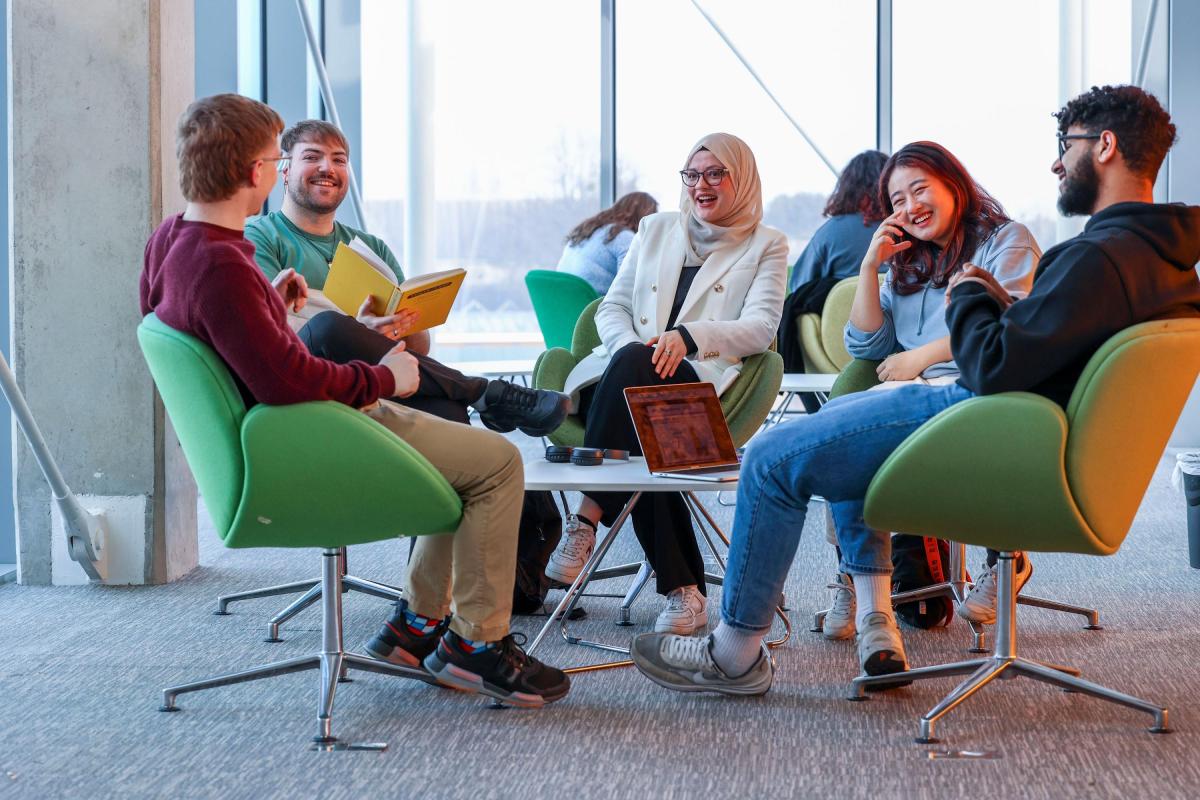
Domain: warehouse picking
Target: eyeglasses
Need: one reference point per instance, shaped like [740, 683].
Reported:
[279, 161]
[1064, 137]
[712, 176]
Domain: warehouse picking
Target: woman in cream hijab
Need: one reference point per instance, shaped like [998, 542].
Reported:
[700, 289]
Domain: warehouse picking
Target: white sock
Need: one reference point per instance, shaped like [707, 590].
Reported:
[872, 593]
[735, 650]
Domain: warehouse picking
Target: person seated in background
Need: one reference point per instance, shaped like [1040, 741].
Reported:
[1135, 261]
[301, 238]
[837, 247]
[940, 221]
[700, 289]
[200, 278]
[596, 247]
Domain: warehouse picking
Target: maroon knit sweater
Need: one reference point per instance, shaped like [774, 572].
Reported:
[201, 279]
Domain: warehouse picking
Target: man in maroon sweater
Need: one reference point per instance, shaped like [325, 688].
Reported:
[200, 278]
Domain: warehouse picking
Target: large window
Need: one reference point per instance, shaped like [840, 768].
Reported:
[513, 149]
[677, 80]
[984, 85]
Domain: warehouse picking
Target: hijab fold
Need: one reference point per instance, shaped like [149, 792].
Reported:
[702, 238]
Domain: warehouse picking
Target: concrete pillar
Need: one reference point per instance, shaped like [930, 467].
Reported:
[95, 91]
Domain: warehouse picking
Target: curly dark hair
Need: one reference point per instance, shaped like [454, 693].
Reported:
[976, 216]
[857, 188]
[623, 215]
[1142, 126]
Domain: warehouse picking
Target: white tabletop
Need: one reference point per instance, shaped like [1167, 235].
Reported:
[611, 476]
[488, 369]
[804, 382]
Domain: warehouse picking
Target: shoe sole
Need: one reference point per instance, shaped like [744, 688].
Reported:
[563, 577]
[681, 630]
[884, 662]
[463, 680]
[393, 655]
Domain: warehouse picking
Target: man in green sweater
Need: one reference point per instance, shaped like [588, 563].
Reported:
[303, 236]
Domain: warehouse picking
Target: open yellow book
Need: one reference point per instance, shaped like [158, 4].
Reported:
[357, 271]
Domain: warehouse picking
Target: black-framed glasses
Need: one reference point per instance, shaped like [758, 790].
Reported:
[712, 176]
[1063, 138]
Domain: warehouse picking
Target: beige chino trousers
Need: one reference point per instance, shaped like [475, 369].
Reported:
[469, 573]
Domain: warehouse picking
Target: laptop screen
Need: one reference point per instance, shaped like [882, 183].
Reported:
[681, 427]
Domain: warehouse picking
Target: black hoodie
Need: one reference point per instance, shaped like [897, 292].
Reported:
[1133, 262]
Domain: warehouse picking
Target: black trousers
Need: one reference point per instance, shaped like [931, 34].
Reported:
[443, 392]
[660, 519]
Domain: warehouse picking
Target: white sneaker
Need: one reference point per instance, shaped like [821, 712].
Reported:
[839, 619]
[880, 648]
[573, 551]
[979, 606]
[685, 614]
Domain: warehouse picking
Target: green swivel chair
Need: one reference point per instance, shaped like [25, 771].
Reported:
[1049, 480]
[821, 338]
[746, 404]
[294, 476]
[558, 298]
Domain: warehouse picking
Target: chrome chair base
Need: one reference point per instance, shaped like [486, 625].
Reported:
[312, 593]
[332, 660]
[956, 589]
[1003, 663]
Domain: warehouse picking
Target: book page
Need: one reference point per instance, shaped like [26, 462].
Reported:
[372, 258]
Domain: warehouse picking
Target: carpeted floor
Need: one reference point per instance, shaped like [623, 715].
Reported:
[80, 670]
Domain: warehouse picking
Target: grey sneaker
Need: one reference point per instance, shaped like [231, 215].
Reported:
[880, 648]
[573, 551]
[839, 619]
[685, 664]
[979, 606]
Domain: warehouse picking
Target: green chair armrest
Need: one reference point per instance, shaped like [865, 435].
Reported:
[989, 472]
[551, 369]
[816, 361]
[747, 403]
[858, 376]
[325, 475]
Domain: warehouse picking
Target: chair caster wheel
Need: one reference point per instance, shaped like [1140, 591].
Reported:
[1157, 729]
[169, 709]
[222, 613]
[857, 698]
[927, 740]
[273, 639]
[1093, 627]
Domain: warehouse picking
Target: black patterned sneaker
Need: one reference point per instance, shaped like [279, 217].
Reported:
[399, 643]
[501, 670]
[537, 412]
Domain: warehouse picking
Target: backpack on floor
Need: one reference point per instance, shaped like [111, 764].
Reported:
[540, 530]
[917, 562]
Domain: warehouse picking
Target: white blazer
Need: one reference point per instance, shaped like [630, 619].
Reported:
[732, 309]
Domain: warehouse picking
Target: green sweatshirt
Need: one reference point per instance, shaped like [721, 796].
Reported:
[279, 244]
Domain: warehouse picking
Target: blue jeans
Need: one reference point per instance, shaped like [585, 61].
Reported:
[833, 453]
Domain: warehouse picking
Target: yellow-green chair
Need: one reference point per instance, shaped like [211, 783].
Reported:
[821, 335]
[314, 475]
[1041, 479]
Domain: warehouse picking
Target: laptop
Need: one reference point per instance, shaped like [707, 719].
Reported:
[682, 432]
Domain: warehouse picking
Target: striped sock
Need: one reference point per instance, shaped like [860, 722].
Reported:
[417, 624]
[471, 647]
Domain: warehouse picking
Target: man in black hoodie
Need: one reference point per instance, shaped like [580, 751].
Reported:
[1135, 261]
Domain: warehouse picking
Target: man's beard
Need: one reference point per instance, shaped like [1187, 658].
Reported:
[303, 198]
[1080, 189]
